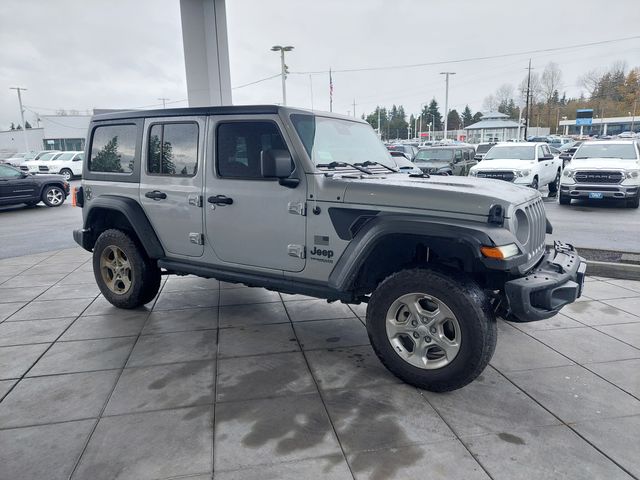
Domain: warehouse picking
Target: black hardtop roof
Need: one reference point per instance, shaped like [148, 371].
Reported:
[223, 110]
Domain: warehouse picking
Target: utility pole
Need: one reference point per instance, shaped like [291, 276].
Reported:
[164, 102]
[526, 121]
[24, 129]
[446, 101]
[379, 131]
[633, 118]
[283, 68]
[354, 108]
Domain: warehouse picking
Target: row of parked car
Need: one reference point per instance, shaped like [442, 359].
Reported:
[580, 169]
[68, 164]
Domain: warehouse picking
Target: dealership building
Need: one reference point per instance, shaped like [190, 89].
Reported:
[601, 126]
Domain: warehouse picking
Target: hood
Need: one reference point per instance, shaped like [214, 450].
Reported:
[432, 164]
[603, 164]
[465, 195]
[504, 164]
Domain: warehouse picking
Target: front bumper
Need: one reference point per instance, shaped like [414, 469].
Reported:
[582, 190]
[82, 237]
[556, 281]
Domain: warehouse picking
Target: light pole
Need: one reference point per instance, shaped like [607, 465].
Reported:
[164, 101]
[24, 129]
[283, 66]
[446, 100]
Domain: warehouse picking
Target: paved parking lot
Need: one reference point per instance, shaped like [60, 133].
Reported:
[241, 383]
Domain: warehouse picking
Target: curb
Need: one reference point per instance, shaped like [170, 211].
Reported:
[626, 271]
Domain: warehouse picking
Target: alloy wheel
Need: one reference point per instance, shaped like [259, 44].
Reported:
[115, 269]
[55, 196]
[423, 331]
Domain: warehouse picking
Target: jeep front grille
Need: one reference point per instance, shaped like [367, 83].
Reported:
[535, 245]
[499, 175]
[611, 177]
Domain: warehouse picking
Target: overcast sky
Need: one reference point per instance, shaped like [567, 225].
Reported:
[125, 54]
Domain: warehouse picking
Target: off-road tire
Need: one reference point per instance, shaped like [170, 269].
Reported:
[144, 273]
[67, 174]
[53, 196]
[553, 187]
[470, 305]
[634, 202]
[564, 199]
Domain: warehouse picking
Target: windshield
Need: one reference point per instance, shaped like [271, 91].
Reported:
[520, 152]
[30, 156]
[484, 148]
[625, 151]
[329, 140]
[47, 157]
[430, 154]
[66, 156]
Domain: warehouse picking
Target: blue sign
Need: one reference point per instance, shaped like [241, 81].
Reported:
[584, 116]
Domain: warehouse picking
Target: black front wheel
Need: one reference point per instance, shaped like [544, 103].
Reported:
[553, 187]
[634, 202]
[534, 184]
[564, 199]
[431, 328]
[125, 275]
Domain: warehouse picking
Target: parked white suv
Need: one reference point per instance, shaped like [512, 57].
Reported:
[67, 164]
[522, 163]
[33, 165]
[603, 169]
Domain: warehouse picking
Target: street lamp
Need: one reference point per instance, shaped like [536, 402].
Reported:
[278, 48]
[446, 102]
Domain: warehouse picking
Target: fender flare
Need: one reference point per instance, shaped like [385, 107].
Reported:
[468, 235]
[134, 214]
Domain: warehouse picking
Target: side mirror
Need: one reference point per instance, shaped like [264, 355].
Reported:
[277, 164]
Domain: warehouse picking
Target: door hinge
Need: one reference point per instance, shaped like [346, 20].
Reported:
[195, 200]
[297, 208]
[298, 251]
[197, 238]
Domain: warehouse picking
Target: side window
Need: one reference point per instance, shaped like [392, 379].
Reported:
[239, 145]
[545, 151]
[540, 152]
[465, 154]
[8, 172]
[113, 149]
[173, 149]
[79, 157]
[457, 156]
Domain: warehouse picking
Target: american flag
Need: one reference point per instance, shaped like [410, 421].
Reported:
[330, 92]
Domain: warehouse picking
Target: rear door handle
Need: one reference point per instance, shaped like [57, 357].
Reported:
[156, 195]
[220, 200]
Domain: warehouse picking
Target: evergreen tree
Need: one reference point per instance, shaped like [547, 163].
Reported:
[477, 117]
[454, 122]
[432, 115]
[19, 127]
[27, 125]
[13, 126]
[108, 158]
[467, 116]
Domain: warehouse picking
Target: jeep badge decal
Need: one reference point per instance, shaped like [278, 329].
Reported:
[321, 254]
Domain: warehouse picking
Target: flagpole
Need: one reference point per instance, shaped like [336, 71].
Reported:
[330, 92]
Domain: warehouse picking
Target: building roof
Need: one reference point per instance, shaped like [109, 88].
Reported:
[493, 123]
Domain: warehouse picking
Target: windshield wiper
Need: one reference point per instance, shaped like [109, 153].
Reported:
[369, 162]
[344, 164]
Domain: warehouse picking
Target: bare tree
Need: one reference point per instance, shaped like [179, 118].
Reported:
[535, 88]
[504, 93]
[589, 81]
[490, 104]
[550, 81]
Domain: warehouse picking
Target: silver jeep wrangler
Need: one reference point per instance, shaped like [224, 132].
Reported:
[311, 203]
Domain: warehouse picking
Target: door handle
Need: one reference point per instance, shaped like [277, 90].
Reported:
[156, 195]
[220, 200]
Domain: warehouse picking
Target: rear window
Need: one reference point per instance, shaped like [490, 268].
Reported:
[484, 148]
[113, 149]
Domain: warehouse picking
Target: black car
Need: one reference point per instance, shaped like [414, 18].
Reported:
[566, 152]
[410, 150]
[21, 187]
[449, 160]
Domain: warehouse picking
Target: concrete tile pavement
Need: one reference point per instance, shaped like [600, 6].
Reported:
[215, 380]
